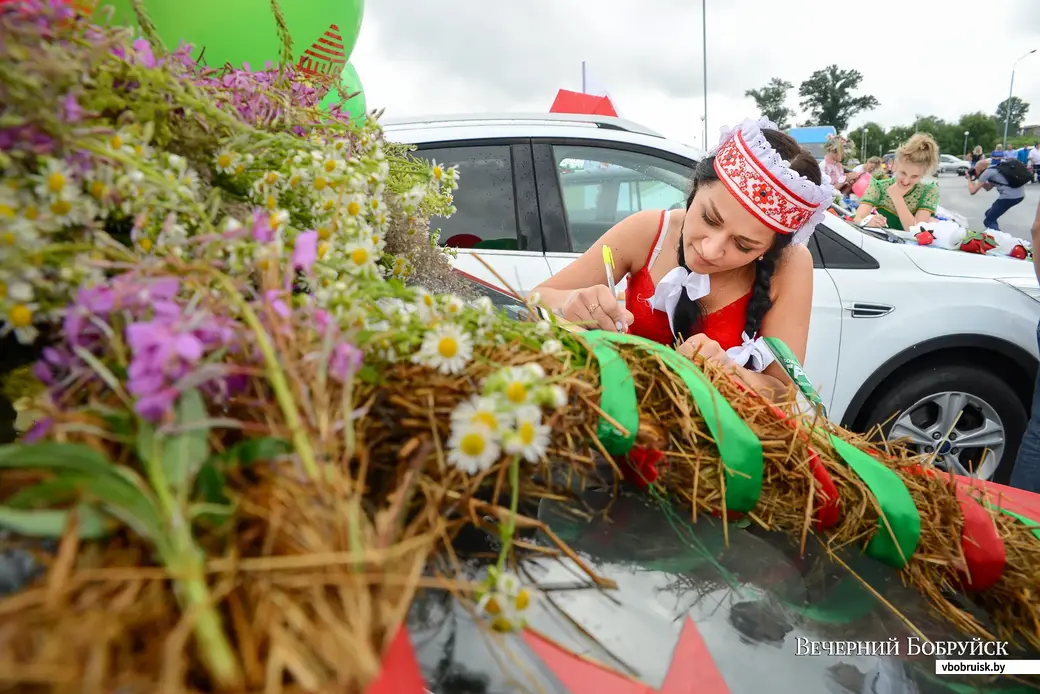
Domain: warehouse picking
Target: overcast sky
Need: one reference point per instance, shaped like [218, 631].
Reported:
[928, 57]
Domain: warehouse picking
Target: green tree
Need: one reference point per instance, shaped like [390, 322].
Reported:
[772, 101]
[1019, 109]
[982, 130]
[828, 97]
[898, 135]
[871, 139]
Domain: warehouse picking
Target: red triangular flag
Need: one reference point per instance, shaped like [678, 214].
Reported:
[400, 673]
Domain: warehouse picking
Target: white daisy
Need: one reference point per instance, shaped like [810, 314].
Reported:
[480, 410]
[484, 304]
[453, 306]
[472, 448]
[426, 304]
[447, 348]
[515, 383]
[56, 181]
[554, 397]
[505, 601]
[529, 438]
[361, 256]
[552, 347]
[226, 161]
[543, 327]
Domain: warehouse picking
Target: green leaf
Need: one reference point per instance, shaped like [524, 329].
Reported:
[210, 483]
[132, 506]
[370, 375]
[257, 450]
[55, 456]
[185, 452]
[54, 492]
[52, 523]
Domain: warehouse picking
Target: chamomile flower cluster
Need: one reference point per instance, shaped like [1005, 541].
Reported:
[505, 418]
[504, 600]
[52, 208]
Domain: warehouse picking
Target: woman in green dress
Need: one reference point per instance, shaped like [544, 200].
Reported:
[905, 199]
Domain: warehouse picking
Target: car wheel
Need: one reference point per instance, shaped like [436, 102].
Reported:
[984, 418]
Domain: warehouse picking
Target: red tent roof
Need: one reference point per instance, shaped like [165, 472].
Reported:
[576, 102]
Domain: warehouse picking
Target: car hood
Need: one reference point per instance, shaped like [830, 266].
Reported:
[736, 608]
[946, 263]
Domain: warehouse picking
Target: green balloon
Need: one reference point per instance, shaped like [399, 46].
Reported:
[244, 31]
[349, 84]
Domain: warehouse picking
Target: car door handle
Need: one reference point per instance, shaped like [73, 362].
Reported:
[865, 310]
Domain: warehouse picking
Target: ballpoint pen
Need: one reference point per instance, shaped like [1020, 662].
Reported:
[608, 265]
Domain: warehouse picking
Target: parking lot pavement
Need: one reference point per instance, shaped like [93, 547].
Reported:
[1017, 221]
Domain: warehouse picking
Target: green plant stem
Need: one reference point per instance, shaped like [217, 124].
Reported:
[277, 378]
[213, 646]
[514, 503]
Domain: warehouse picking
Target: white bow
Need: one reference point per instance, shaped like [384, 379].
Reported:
[669, 289]
[753, 355]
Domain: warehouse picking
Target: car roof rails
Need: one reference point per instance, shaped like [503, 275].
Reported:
[604, 122]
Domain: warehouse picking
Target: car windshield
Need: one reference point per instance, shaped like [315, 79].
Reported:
[741, 609]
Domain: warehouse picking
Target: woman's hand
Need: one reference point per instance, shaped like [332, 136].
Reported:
[707, 348]
[897, 191]
[597, 306]
[876, 220]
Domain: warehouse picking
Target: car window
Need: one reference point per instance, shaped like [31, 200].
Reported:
[602, 186]
[486, 204]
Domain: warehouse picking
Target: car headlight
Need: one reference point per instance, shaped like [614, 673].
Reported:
[1026, 285]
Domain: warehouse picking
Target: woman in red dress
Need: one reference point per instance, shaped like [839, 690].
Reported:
[717, 277]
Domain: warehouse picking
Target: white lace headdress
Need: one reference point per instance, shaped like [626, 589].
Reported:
[764, 183]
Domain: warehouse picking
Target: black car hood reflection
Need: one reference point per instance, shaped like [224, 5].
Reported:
[751, 602]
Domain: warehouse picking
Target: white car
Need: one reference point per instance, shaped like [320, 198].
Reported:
[921, 341]
[951, 164]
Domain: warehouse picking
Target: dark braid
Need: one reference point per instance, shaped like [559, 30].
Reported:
[691, 313]
[760, 303]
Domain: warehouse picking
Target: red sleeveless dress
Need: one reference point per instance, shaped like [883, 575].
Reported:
[725, 325]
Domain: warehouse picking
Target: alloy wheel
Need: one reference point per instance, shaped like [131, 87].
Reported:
[962, 431]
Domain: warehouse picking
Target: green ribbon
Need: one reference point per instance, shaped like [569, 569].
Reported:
[617, 397]
[1024, 520]
[739, 448]
[789, 363]
[899, 524]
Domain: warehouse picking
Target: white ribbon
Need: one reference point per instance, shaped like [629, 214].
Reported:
[670, 288]
[753, 355]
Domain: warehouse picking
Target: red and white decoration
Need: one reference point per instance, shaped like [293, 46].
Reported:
[952, 236]
[764, 183]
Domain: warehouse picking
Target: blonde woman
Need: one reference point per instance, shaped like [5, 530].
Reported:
[833, 157]
[906, 198]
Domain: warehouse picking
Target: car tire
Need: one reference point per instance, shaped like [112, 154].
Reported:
[905, 391]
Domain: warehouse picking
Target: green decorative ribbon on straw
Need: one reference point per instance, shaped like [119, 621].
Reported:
[739, 448]
[618, 397]
[899, 523]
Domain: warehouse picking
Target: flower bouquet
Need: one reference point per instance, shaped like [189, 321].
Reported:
[264, 406]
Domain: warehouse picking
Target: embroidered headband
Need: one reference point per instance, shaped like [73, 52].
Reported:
[764, 183]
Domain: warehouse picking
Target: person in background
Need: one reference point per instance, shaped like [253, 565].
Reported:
[1026, 474]
[976, 155]
[1022, 154]
[988, 177]
[998, 153]
[834, 155]
[865, 172]
[1034, 161]
[906, 198]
